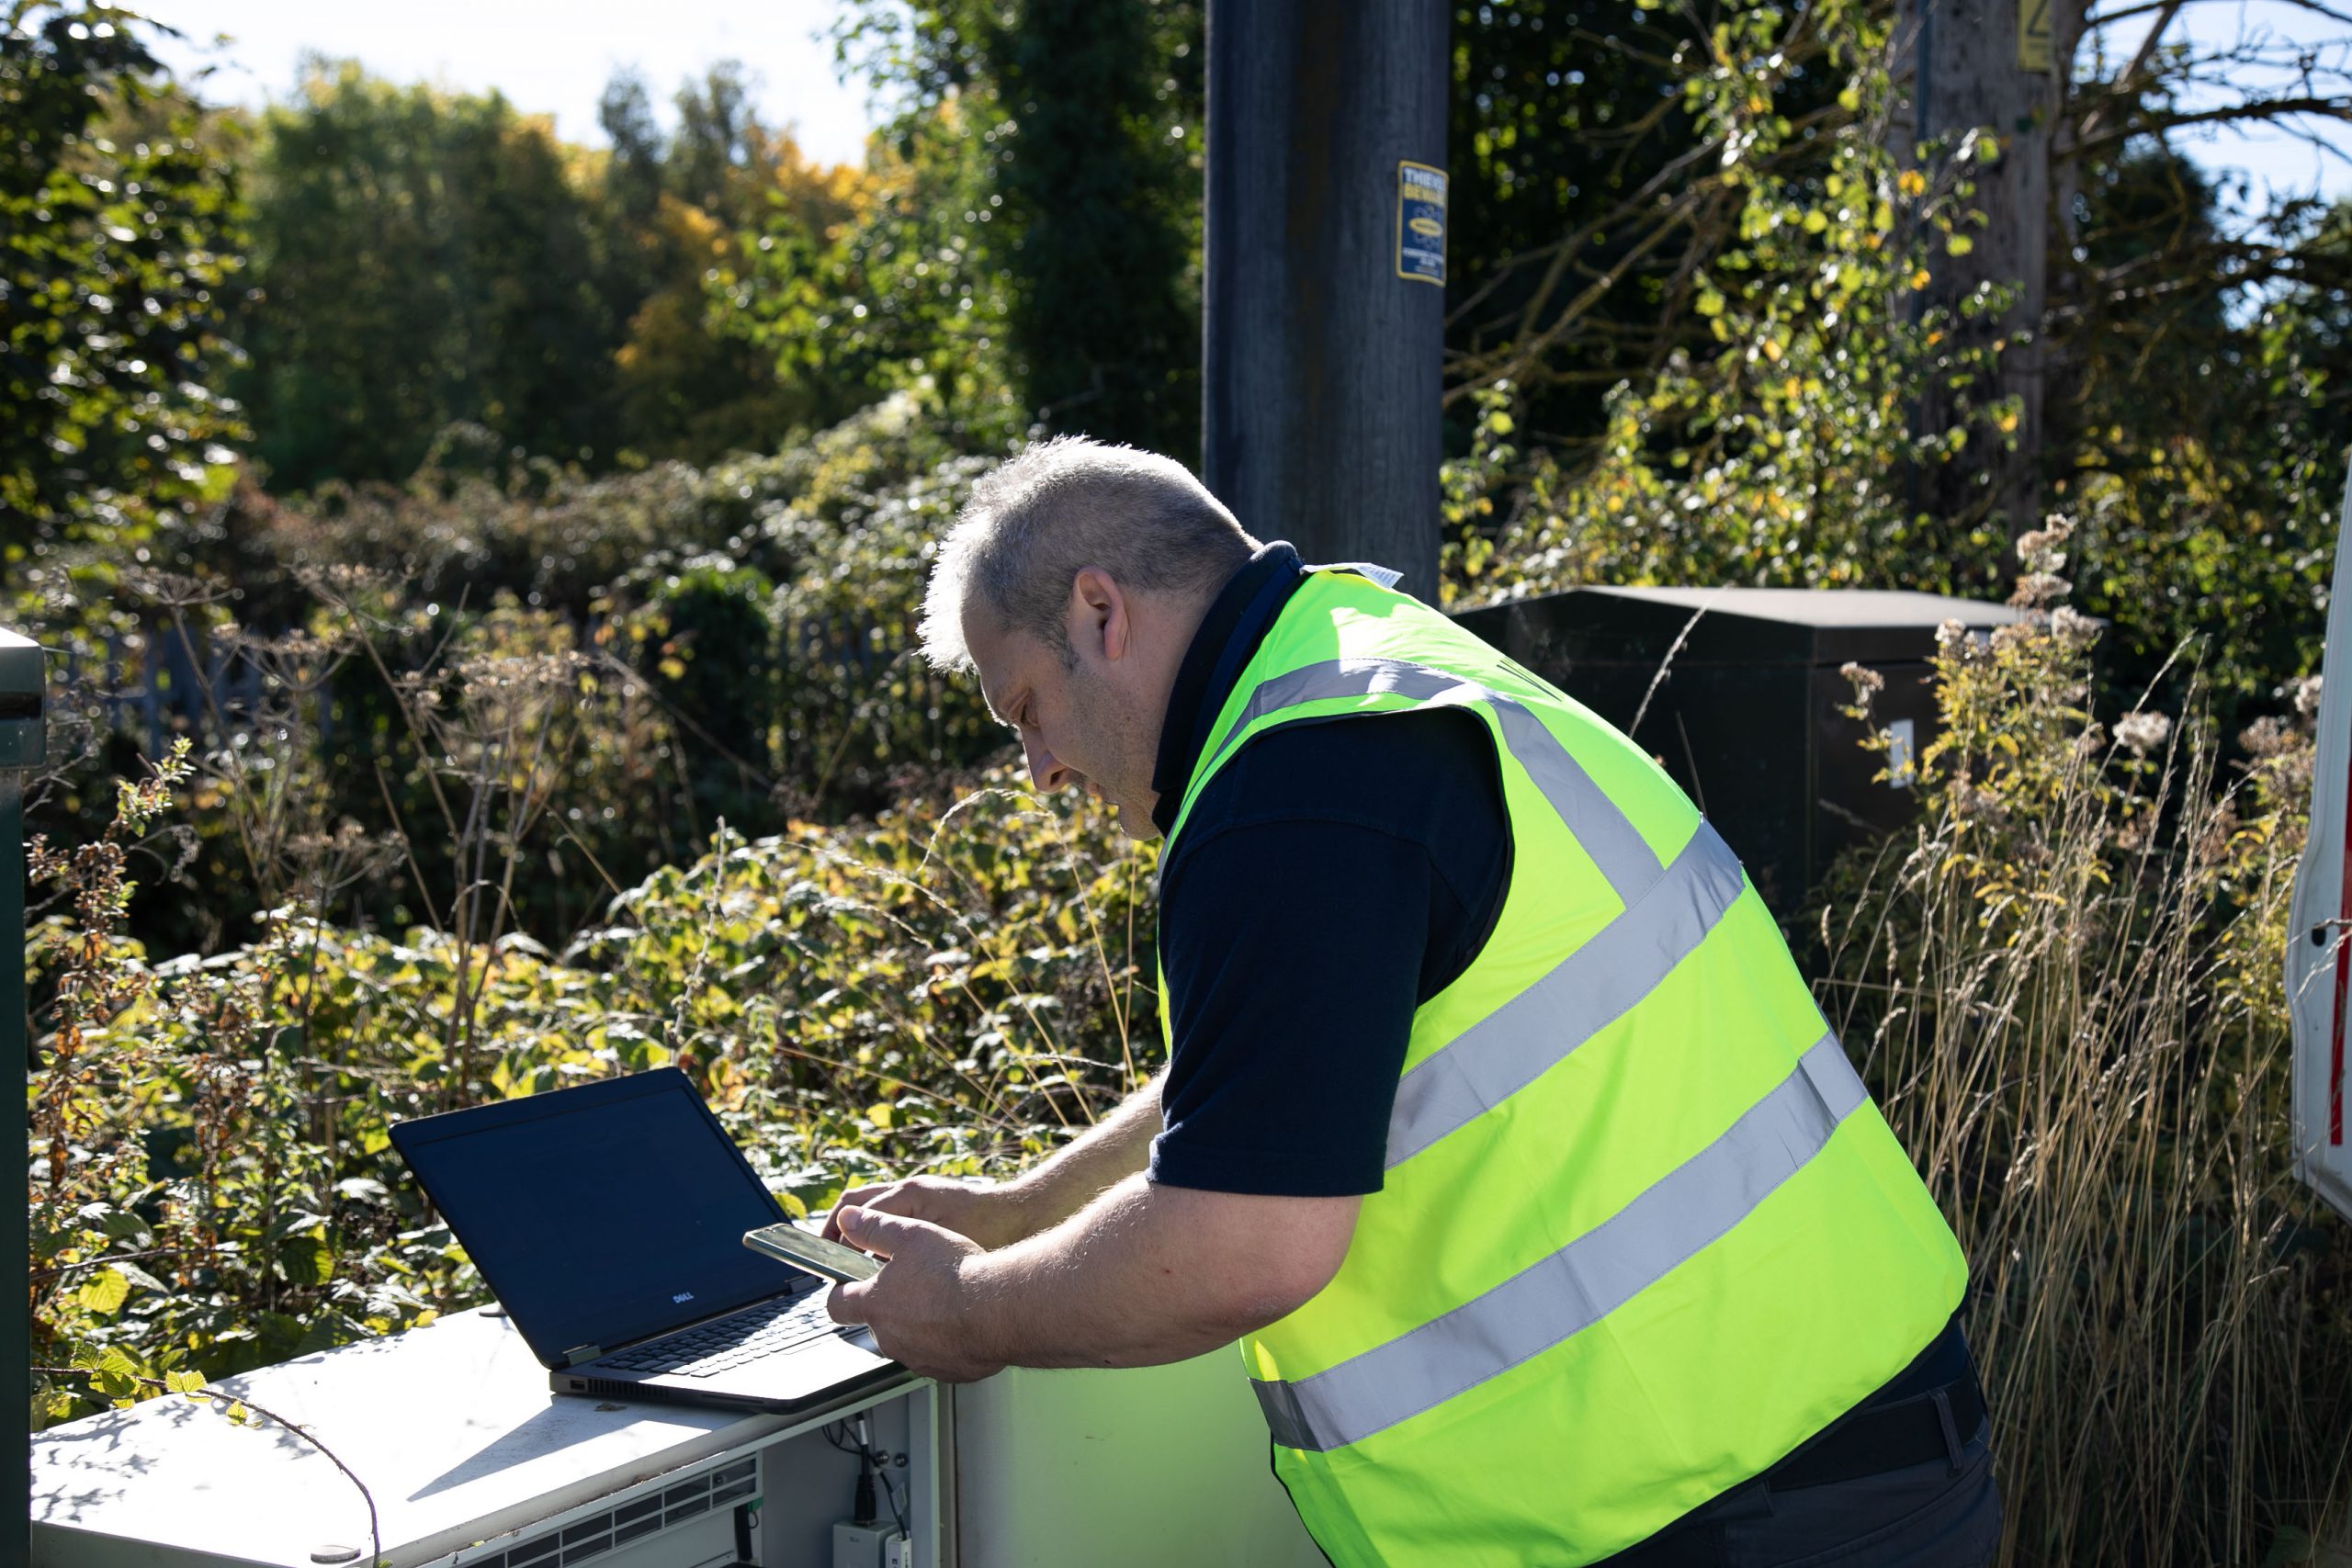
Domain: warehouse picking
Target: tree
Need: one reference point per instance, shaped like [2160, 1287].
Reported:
[420, 259]
[1567, 119]
[685, 208]
[631, 192]
[721, 152]
[120, 234]
[1988, 87]
[1079, 128]
[900, 293]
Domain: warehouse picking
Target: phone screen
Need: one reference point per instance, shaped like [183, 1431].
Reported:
[790, 1243]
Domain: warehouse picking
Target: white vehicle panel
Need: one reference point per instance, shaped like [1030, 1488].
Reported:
[2319, 938]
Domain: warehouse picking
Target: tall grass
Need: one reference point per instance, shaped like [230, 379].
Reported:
[2066, 983]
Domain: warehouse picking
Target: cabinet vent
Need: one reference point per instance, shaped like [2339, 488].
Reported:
[584, 1540]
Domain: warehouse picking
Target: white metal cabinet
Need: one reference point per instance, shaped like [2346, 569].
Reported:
[1159, 1467]
[473, 1463]
[470, 1459]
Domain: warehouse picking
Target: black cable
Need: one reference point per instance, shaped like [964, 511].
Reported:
[862, 1510]
[870, 1464]
[889, 1493]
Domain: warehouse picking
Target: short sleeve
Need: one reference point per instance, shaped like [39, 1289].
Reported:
[1349, 870]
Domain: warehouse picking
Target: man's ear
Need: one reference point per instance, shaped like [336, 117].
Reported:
[1099, 619]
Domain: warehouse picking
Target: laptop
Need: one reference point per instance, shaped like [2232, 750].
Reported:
[609, 1220]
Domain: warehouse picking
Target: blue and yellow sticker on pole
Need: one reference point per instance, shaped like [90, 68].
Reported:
[1420, 223]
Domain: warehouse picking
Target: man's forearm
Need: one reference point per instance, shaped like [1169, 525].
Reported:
[997, 1216]
[1145, 1274]
[1114, 1148]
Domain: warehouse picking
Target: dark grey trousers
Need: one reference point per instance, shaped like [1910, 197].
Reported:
[1943, 1515]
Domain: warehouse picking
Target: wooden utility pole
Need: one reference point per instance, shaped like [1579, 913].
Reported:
[1998, 67]
[1323, 311]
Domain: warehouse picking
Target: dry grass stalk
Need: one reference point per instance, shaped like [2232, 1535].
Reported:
[2065, 985]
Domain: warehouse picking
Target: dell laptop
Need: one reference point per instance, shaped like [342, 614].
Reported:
[609, 1220]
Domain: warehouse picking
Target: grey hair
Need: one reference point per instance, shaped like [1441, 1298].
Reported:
[1063, 505]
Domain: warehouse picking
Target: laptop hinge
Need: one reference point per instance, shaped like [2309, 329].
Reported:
[580, 1353]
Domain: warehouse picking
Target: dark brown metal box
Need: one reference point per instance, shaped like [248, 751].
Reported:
[1748, 713]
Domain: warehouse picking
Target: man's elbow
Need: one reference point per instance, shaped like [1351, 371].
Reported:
[1270, 1301]
[1280, 1267]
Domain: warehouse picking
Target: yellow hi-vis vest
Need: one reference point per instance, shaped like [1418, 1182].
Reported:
[1642, 1231]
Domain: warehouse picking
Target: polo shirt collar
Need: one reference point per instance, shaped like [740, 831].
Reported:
[1235, 623]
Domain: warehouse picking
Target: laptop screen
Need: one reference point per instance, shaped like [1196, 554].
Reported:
[601, 1213]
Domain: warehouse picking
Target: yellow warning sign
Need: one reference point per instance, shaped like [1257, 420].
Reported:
[2033, 35]
[1420, 223]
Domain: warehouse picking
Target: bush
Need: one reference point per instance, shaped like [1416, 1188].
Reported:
[683, 647]
[213, 1183]
[2063, 982]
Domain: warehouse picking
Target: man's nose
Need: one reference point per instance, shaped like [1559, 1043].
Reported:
[1047, 771]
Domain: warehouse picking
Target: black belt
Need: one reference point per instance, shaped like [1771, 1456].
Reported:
[1926, 1413]
[1927, 1428]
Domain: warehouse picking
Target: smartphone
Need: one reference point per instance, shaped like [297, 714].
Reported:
[788, 1243]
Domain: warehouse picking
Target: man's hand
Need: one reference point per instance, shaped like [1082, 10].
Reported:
[918, 1307]
[991, 1216]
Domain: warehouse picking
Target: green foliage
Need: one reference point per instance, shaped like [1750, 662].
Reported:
[2200, 444]
[214, 1188]
[118, 236]
[860, 705]
[1561, 114]
[426, 259]
[1035, 245]
[906, 295]
[589, 674]
[419, 258]
[1778, 455]
[2201, 439]
[672, 210]
[1099, 159]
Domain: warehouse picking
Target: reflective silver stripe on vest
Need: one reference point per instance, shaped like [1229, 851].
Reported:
[1386, 576]
[1585, 992]
[1598, 827]
[1673, 1220]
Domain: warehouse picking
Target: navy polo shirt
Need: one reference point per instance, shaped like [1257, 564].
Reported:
[1331, 878]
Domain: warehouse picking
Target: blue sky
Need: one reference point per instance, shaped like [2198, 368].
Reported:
[554, 58]
[547, 58]
[2284, 39]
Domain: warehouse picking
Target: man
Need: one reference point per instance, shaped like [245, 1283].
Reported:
[1497, 1121]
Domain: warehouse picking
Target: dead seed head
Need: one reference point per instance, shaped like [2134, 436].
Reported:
[2265, 737]
[2072, 629]
[2040, 589]
[171, 590]
[2039, 550]
[2142, 732]
[1955, 640]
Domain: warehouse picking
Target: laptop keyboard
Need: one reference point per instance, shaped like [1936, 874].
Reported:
[728, 1342]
